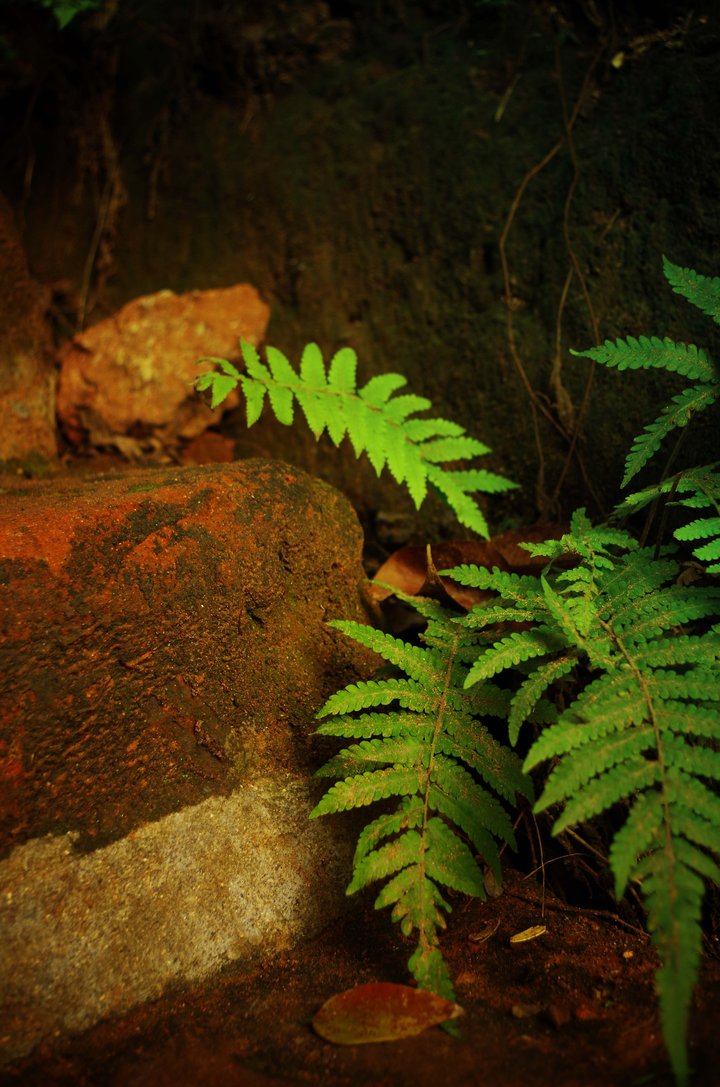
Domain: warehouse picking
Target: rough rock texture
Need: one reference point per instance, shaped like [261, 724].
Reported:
[27, 375]
[89, 936]
[163, 637]
[127, 381]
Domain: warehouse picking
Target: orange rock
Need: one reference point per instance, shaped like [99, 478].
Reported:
[163, 636]
[128, 381]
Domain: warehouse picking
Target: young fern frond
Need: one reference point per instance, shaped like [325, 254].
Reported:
[644, 732]
[376, 421]
[433, 751]
[648, 353]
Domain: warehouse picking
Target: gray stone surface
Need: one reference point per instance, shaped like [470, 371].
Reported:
[86, 936]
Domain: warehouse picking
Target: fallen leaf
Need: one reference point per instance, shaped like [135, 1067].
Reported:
[525, 1011]
[381, 1012]
[414, 569]
[485, 933]
[531, 933]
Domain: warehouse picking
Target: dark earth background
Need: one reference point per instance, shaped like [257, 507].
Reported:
[364, 166]
[358, 163]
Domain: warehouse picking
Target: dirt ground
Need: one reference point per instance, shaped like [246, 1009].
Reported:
[573, 1008]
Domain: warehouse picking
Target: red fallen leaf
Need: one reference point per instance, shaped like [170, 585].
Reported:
[381, 1012]
[413, 569]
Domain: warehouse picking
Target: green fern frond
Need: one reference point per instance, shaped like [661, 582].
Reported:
[677, 414]
[449, 861]
[596, 713]
[690, 719]
[417, 906]
[634, 579]
[693, 683]
[358, 758]
[673, 607]
[695, 488]
[430, 749]
[428, 967]
[707, 528]
[644, 732]
[418, 664]
[702, 291]
[606, 790]
[374, 419]
[639, 834]
[592, 543]
[592, 761]
[651, 353]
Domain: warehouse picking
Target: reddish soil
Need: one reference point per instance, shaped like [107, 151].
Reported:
[572, 1008]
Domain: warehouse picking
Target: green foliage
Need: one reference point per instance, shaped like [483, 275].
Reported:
[376, 421]
[640, 729]
[648, 353]
[610, 623]
[697, 489]
[430, 749]
[66, 10]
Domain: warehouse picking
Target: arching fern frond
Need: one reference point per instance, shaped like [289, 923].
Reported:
[376, 421]
[651, 353]
[431, 749]
[644, 732]
[676, 414]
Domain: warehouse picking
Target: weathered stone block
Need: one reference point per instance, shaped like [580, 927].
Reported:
[163, 637]
[163, 649]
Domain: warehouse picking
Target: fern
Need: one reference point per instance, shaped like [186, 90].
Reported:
[698, 490]
[376, 421]
[430, 749]
[643, 733]
[700, 290]
[648, 353]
